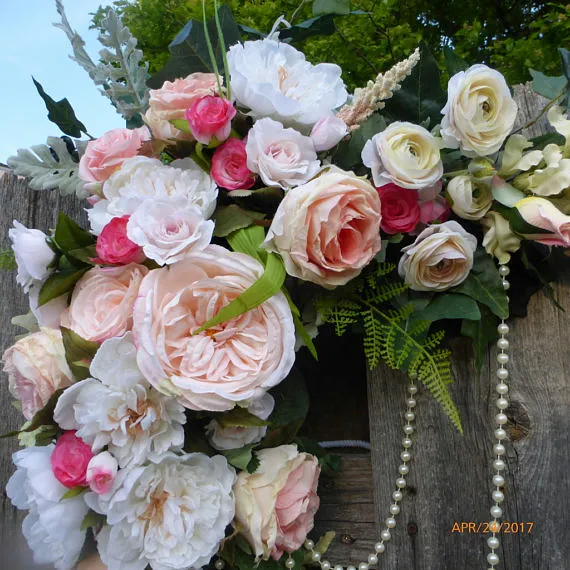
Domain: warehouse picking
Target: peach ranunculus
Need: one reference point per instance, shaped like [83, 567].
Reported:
[171, 101]
[36, 368]
[102, 302]
[543, 214]
[105, 155]
[327, 230]
[236, 361]
[276, 505]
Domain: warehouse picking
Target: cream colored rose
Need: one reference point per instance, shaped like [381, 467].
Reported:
[36, 368]
[440, 258]
[480, 111]
[276, 505]
[499, 240]
[543, 214]
[471, 198]
[405, 154]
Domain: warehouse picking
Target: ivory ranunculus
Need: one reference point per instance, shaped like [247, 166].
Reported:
[36, 368]
[480, 111]
[472, 198]
[440, 258]
[327, 230]
[543, 214]
[405, 154]
[276, 505]
[236, 361]
[499, 239]
[102, 302]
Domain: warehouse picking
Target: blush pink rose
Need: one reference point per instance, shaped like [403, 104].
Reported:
[105, 155]
[276, 505]
[36, 368]
[229, 166]
[70, 459]
[236, 361]
[327, 230]
[114, 247]
[437, 209]
[101, 472]
[171, 101]
[210, 116]
[400, 209]
[543, 214]
[102, 302]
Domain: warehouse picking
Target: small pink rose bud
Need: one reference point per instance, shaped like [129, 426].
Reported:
[210, 116]
[114, 247]
[434, 210]
[101, 472]
[328, 132]
[69, 460]
[229, 166]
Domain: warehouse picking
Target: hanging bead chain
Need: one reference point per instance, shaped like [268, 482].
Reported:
[500, 433]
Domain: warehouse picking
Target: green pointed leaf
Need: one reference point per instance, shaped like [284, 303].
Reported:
[291, 400]
[450, 306]
[248, 240]
[453, 62]
[59, 283]
[240, 417]
[241, 457]
[69, 235]
[73, 492]
[181, 125]
[84, 254]
[321, 7]
[547, 86]
[61, 113]
[78, 352]
[517, 222]
[231, 218]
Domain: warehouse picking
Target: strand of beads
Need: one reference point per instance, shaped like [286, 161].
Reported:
[397, 495]
[500, 433]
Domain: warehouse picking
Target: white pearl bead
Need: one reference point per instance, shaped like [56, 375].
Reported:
[400, 482]
[289, 563]
[501, 419]
[493, 542]
[498, 480]
[403, 469]
[408, 430]
[309, 544]
[351, 568]
[326, 565]
[338, 567]
[504, 270]
[380, 547]
[496, 512]
[502, 388]
[500, 433]
[411, 402]
[410, 416]
[412, 388]
[363, 566]
[385, 534]
[499, 449]
[397, 495]
[502, 403]
[219, 564]
[502, 358]
[498, 496]
[506, 285]
[503, 328]
[372, 559]
[316, 557]
[394, 509]
[492, 558]
[503, 344]
[498, 465]
[502, 373]
[405, 456]
[407, 442]
[390, 522]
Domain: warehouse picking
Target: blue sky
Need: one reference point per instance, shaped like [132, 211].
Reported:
[30, 45]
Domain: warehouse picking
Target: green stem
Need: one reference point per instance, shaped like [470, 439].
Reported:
[211, 49]
[456, 173]
[223, 48]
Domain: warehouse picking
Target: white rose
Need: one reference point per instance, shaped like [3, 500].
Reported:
[52, 528]
[170, 515]
[328, 132]
[440, 258]
[141, 178]
[405, 154]
[33, 254]
[472, 198]
[499, 240]
[480, 111]
[282, 157]
[273, 79]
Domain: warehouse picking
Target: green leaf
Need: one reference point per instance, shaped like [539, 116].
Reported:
[248, 240]
[453, 62]
[93, 520]
[73, 492]
[482, 333]
[541, 141]
[8, 260]
[59, 283]
[317, 26]
[84, 254]
[300, 327]
[266, 199]
[348, 153]
[484, 284]
[239, 417]
[61, 113]
[329, 462]
[181, 125]
[69, 235]
[505, 193]
[421, 96]
[291, 400]
[450, 306]
[78, 352]
[331, 7]
[231, 218]
[547, 86]
[517, 222]
[565, 58]
[240, 458]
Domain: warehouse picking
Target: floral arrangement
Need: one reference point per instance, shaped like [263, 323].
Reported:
[251, 200]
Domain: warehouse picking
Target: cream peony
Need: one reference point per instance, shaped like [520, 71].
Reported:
[102, 302]
[281, 157]
[543, 214]
[143, 178]
[327, 230]
[440, 258]
[171, 515]
[480, 111]
[236, 361]
[120, 410]
[273, 79]
[276, 505]
[36, 368]
[499, 239]
[471, 198]
[405, 154]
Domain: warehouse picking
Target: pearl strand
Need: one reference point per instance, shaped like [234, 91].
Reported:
[500, 434]
[397, 495]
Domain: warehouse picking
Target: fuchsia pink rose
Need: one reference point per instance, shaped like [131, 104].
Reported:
[70, 459]
[114, 247]
[229, 166]
[101, 472]
[210, 116]
[400, 209]
[105, 155]
[434, 210]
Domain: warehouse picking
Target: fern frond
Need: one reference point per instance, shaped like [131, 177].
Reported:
[382, 293]
[375, 339]
[341, 314]
[419, 328]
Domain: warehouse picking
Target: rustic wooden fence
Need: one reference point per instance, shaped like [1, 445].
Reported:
[450, 474]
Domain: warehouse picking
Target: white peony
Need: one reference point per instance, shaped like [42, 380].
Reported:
[120, 409]
[171, 515]
[404, 154]
[52, 528]
[33, 254]
[168, 229]
[273, 79]
[141, 178]
[282, 157]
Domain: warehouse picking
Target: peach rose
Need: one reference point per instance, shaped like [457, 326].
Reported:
[102, 302]
[328, 229]
[36, 368]
[543, 214]
[276, 505]
[105, 155]
[171, 101]
[236, 361]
